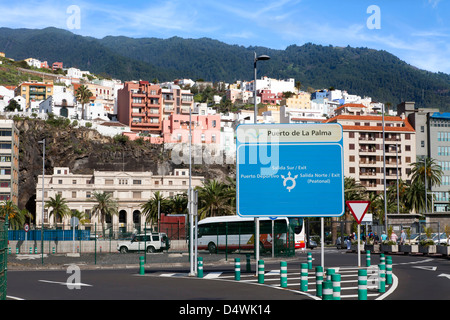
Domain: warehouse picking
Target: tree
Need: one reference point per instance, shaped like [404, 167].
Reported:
[214, 199]
[16, 217]
[178, 204]
[106, 206]
[12, 106]
[433, 174]
[150, 208]
[83, 96]
[58, 206]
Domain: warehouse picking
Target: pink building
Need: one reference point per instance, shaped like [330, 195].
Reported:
[57, 65]
[205, 129]
[267, 97]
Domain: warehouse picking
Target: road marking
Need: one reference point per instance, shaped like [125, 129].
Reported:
[444, 275]
[67, 283]
[428, 268]
[212, 275]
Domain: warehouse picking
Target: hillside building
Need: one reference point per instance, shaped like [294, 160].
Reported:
[9, 161]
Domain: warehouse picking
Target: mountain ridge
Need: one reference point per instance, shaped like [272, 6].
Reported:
[361, 71]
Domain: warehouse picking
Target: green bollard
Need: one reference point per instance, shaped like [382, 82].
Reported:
[17, 250]
[309, 260]
[319, 280]
[336, 280]
[237, 269]
[53, 250]
[368, 258]
[260, 271]
[381, 278]
[283, 274]
[362, 284]
[141, 265]
[304, 277]
[329, 273]
[199, 267]
[327, 290]
[35, 250]
[388, 270]
[31, 250]
[382, 259]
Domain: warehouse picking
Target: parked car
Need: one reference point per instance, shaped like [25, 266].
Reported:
[416, 238]
[150, 242]
[442, 238]
[312, 243]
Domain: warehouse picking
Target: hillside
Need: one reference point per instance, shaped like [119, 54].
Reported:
[361, 71]
[84, 150]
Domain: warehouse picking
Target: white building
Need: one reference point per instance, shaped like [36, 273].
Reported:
[129, 189]
[61, 104]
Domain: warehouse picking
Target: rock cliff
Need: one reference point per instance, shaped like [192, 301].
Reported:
[85, 150]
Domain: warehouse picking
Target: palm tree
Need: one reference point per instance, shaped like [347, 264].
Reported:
[105, 206]
[16, 218]
[433, 174]
[59, 207]
[83, 95]
[178, 204]
[214, 199]
[150, 208]
[80, 215]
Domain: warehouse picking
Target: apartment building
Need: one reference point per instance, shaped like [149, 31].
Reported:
[363, 146]
[139, 106]
[129, 189]
[34, 92]
[433, 141]
[143, 106]
[205, 129]
[9, 161]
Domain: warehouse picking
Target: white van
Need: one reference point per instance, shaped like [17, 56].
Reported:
[150, 242]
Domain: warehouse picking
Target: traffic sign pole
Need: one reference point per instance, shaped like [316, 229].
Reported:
[358, 208]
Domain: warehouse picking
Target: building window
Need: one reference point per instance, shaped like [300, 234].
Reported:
[137, 181]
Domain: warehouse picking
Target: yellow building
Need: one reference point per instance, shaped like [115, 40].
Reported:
[34, 92]
[302, 100]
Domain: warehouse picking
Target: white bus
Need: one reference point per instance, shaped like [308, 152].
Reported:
[237, 233]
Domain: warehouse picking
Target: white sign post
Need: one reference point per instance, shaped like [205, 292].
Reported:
[358, 208]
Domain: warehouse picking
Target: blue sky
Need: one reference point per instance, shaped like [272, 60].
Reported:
[417, 31]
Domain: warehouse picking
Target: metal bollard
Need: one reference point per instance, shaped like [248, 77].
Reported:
[309, 260]
[237, 269]
[381, 278]
[362, 284]
[17, 250]
[53, 250]
[35, 250]
[141, 265]
[199, 267]
[260, 271]
[283, 274]
[327, 290]
[388, 270]
[319, 280]
[31, 250]
[304, 277]
[368, 258]
[336, 280]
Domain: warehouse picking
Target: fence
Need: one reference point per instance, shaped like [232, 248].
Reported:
[3, 257]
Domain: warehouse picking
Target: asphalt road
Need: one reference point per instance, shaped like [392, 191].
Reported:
[116, 277]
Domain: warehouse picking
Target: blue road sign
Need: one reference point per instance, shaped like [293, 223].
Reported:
[289, 170]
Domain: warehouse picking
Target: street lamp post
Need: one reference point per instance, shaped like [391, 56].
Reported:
[384, 174]
[43, 176]
[256, 242]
